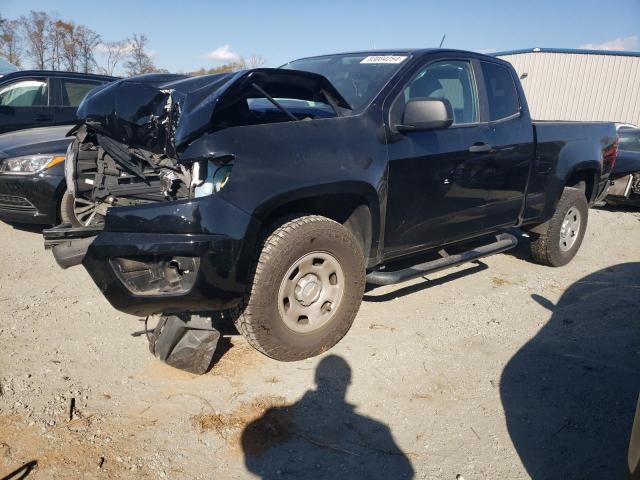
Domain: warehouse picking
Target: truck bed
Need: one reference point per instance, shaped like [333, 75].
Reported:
[558, 145]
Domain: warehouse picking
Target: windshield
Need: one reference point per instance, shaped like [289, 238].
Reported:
[629, 140]
[358, 77]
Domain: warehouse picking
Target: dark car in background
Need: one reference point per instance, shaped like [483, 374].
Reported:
[625, 178]
[32, 184]
[36, 98]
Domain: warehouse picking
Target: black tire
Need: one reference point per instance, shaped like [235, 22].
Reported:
[67, 215]
[546, 247]
[261, 320]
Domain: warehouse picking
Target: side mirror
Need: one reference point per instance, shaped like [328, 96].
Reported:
[426, 114]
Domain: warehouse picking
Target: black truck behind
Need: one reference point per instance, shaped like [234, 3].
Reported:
[276, 194]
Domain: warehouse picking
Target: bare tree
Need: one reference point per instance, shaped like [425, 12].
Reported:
[253, 61]
[139, 61]
[10, 41]
[114, 52]
[36, 27]
[55, 35]
[67, 48]
[87, 41]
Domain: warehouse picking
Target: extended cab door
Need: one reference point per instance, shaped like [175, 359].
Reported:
[436, 192]
[512, 145]
[24, 103]
[70, 92]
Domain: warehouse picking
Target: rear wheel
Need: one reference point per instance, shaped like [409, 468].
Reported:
[563, 235]
[306, 289]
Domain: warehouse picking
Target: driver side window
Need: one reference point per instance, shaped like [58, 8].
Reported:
[452, 80]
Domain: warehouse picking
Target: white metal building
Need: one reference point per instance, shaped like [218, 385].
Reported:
[579, 84]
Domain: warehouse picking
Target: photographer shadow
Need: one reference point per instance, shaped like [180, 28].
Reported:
[570, 393]
[322, 436]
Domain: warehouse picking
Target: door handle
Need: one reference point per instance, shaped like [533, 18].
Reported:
[480, 147]
[43, 118]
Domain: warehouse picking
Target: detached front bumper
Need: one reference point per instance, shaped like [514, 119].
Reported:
[165, 257]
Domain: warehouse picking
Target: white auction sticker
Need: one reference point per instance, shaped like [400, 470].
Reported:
[385, 59]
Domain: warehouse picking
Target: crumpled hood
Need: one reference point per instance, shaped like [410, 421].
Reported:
[161, 113]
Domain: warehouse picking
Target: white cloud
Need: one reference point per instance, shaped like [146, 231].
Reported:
[125, 48]
[223, 54]
[620, 43]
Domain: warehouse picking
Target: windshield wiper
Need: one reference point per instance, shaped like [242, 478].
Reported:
[332, 102]
[275, 102]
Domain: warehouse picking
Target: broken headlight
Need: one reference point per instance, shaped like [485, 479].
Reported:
[217, 178]
[30, 164]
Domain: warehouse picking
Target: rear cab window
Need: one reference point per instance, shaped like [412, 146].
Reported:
[502, 95]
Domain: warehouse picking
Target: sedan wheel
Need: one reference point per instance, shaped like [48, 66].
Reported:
[79, 212]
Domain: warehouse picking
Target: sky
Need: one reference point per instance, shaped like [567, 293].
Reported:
[186, 35]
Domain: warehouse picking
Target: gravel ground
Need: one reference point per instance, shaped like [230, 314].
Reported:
[502, 369]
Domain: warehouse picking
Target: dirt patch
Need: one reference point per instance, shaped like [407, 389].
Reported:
[158, 370]
[255, 426]
[236, 357]
[500, 282]
[62, 452]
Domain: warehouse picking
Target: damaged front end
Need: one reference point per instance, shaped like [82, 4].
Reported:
[160, 237]
[128, 149]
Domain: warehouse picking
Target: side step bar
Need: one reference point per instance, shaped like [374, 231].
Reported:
[504, 241]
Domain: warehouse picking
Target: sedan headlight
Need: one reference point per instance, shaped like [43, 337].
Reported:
[30, 164]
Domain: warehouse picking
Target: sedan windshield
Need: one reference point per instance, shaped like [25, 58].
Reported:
[358, 77]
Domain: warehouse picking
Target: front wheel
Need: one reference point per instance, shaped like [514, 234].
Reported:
[563, 235]
[307, 286]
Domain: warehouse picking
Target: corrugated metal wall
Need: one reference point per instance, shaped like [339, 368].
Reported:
[571, 86]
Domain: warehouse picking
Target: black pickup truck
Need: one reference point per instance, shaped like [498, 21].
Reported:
[277, 194]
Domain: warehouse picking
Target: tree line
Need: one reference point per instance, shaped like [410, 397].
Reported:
[242, 63]
[47, 42]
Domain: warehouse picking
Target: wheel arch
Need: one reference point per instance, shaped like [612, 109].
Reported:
[585, 177]
[61, 189]
[355, 205]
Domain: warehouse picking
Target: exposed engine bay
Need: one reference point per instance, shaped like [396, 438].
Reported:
[107, 173]
[129, 147]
